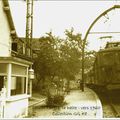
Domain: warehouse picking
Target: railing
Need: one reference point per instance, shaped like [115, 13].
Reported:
[20, 49]
[2, 102]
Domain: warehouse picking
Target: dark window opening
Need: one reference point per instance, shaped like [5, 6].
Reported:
[14, 46]
[1, 82]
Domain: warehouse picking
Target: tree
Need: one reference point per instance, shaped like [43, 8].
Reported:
[59, 59]
[71, 54]
[45, 64]
[89, 59]
[75, 41]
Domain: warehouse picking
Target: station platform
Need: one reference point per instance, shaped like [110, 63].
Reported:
[81, 105]
[78, 105]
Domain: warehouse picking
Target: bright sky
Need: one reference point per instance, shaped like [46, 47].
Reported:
[60, 15]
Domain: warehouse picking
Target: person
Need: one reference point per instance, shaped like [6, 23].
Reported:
[67, 90]
[81, 85]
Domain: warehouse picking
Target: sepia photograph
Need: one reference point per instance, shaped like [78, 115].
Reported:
[60, 59]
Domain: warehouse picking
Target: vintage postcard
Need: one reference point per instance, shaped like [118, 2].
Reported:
[60, 59]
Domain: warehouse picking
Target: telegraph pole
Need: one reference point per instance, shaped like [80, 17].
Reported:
[29, 37]
[29, 26]
[83, 68]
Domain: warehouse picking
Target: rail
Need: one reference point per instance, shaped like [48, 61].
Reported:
[113, 107]
[116, 113]
[38, 102]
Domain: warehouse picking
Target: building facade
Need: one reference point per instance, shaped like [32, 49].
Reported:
[15, 62]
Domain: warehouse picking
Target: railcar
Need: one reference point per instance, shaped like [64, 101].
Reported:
[106, 69]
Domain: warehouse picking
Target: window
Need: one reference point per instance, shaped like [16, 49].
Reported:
[4, 68]
[18, 70]
[14, 46]
[18, 85]
[1, 82]
[18, 81]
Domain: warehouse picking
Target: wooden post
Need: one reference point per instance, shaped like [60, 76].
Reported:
[9, 79]
[30, 87]
[27, 82]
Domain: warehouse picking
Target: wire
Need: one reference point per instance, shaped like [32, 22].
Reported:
[104, 33]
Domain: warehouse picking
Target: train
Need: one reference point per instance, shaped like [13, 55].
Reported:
[105, 72]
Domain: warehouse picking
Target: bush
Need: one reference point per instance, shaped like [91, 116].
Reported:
[55, 100]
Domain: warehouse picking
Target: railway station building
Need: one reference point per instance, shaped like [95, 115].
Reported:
[15, 63]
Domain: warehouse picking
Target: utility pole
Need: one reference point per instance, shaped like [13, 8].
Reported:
[29, 36]
[29, 27]
[83, 62]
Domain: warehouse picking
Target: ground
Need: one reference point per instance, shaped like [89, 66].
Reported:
[79, 105]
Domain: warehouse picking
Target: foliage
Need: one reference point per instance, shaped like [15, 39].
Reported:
[55, 100]
[59, 58]
[74, 39]
[89, 59]
[45, 65]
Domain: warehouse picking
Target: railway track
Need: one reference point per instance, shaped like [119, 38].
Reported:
[116, 113]
[110, 100]
[112, 105]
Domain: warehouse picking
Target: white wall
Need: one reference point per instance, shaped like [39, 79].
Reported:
[16, 109]
[5, 39]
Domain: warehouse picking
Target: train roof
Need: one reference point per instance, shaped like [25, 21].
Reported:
[111, 46]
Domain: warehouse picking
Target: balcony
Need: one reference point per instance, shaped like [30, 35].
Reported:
[20, 49]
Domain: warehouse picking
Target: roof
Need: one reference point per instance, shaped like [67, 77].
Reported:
[35, 42]
[111, 45]
[6, 8]
[9, 16]
[15, 59]
[109, 50]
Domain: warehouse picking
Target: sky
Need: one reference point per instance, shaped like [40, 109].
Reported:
[56, 16]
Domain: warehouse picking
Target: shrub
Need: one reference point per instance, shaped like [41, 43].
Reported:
[55, 100]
